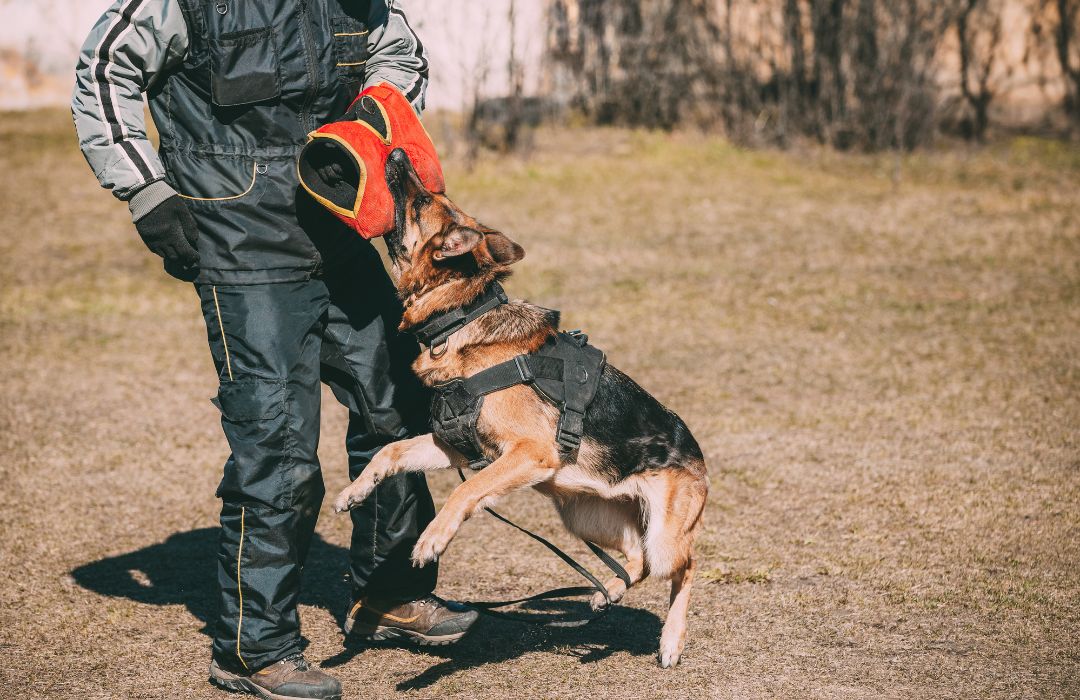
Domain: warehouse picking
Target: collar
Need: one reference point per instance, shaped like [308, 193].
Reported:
[437, 329]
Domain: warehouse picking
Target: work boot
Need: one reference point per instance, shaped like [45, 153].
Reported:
[289, 679]
[426, 621]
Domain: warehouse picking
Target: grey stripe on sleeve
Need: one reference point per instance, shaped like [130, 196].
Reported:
[103, 56]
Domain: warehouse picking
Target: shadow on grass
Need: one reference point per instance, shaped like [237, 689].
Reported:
[181, 571]
[636, 632]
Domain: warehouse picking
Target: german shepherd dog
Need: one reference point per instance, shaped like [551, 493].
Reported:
[638, 483]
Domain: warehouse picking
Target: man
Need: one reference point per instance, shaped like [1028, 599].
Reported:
[290, 296]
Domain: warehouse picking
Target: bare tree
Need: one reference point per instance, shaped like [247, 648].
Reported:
[1055, 38]
[501, 122]
[978, 31]
[516, 73]
[631, 62]
[1067, 43]
[829, 77]
[851, 73]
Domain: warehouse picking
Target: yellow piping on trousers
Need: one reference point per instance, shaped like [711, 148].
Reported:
[239, 589]
[225, 343]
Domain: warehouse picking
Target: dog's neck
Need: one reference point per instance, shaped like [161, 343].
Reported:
[422, 303]
[507, 330]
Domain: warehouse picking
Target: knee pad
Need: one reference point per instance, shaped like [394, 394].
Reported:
[270, 463]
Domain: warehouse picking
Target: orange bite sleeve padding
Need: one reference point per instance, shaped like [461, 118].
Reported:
[343, 165]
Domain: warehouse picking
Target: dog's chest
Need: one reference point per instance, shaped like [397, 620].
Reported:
[564, 373]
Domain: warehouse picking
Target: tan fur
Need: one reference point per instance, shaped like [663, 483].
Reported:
[650, 517]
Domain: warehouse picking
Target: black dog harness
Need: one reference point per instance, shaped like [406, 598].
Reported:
[565, 372]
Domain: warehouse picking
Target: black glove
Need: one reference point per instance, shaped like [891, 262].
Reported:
[169, 231]
[333, 174]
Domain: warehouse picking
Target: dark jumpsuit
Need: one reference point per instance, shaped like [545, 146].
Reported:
[290, 297]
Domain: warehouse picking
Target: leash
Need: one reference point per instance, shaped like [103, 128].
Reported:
[490, 607]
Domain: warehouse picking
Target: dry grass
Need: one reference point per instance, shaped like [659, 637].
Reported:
[880, 358]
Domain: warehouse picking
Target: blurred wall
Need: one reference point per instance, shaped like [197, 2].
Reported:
[468, 42]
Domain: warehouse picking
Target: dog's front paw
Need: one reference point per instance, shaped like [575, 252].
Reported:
[353, 494]
[428, 549]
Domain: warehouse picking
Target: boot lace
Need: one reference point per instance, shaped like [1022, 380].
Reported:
[298, 661]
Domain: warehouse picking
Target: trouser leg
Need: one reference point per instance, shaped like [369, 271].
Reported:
[386, 526]
[266, 341]
[368, 366]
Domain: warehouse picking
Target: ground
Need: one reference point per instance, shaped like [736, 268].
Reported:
[879, 356]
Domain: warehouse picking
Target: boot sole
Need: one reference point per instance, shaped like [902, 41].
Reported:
[396, 634]
[239, 684]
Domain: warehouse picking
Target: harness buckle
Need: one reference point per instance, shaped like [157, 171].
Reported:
[570, 429]
[523, 368]
[579, 337]
[456, 397]
[568, 442]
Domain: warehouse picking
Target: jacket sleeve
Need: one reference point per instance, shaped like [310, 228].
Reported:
[130, 47]
[397, 56]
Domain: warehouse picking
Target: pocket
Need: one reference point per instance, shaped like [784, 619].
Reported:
[247, 400]
[247, 216]
[256, 423]
[215, 179]
[350, 46]
[244, 68]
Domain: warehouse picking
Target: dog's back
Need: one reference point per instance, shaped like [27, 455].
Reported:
[637, 432]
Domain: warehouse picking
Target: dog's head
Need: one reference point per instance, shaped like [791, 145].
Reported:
[433, 240]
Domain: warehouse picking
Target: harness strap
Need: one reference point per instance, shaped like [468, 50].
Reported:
[489, 607]
[571, 428]
[436, 330]
[521, 369]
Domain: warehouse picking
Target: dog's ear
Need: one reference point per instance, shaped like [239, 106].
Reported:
[458, 242]
[503, 250]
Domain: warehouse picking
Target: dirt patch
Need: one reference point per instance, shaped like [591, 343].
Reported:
[878, 355]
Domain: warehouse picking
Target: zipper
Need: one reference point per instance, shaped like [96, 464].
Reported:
[313, 76]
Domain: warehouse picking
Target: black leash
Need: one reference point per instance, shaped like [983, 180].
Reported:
[490, 607]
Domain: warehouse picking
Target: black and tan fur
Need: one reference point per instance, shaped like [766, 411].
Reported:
[638, 484]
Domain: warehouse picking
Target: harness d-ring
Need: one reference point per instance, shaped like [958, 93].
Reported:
[440, 349]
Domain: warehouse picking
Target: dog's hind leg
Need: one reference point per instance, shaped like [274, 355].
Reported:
[676, 501]
[673, 638]
[611, 524]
